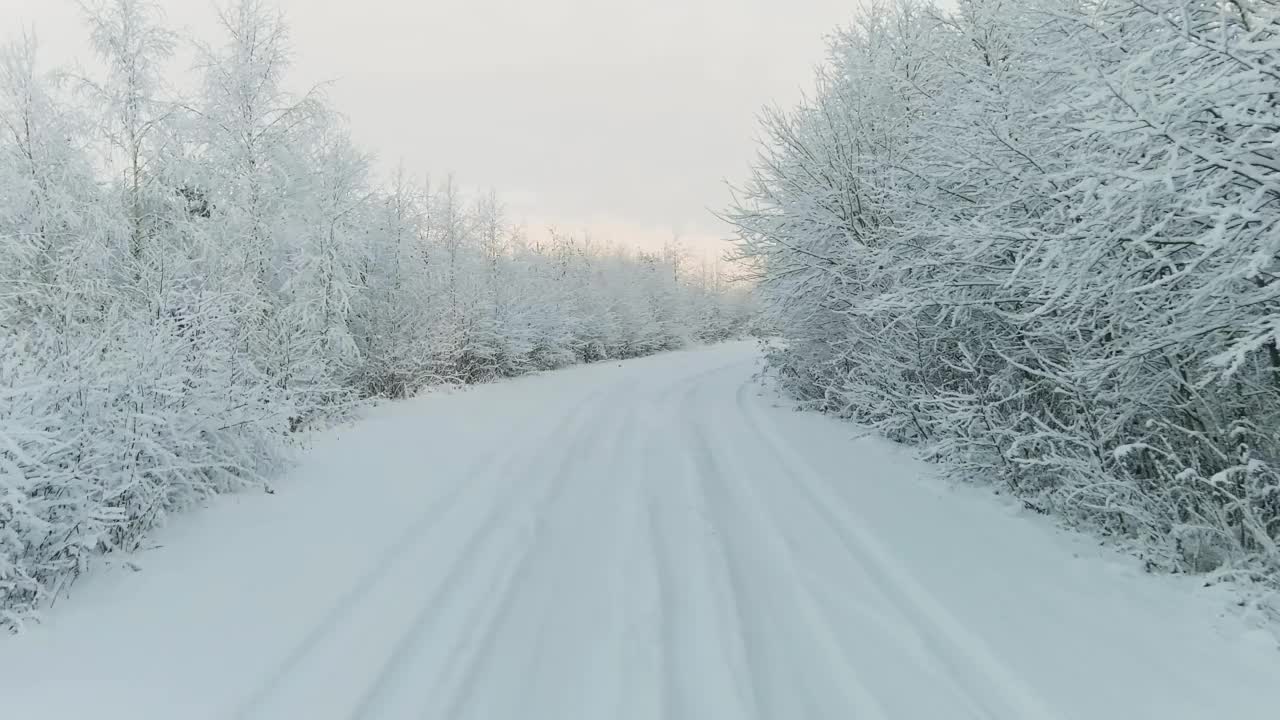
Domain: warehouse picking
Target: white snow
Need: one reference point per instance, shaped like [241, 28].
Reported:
[660, 538]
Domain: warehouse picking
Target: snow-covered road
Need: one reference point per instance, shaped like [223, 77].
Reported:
[656, 539]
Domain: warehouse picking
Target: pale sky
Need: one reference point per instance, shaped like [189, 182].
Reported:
[621, 118]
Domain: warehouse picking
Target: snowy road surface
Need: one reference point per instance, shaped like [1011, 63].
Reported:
[649, 540]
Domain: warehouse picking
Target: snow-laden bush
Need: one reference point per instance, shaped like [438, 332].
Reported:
[105, 430]
[1039, 238]
[186, 283]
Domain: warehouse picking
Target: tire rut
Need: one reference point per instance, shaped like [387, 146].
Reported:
[377, 573]
[490, 623]
[463, 561]
[952, 646]
[821, 630]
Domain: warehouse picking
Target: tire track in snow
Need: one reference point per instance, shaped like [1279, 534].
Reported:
[659, 497]
[656, 535]
[690, 383]
[743, 657]
[459, 688]
[373, 578]
[466, 636]
[465, 686]
[904, 628]
[776, 597]
[951, 642]
[632, 635]
[670, 692]
[503, 464]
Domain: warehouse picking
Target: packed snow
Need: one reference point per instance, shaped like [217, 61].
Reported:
[657, 538]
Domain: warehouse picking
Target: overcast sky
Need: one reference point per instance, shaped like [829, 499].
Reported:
[624, 118]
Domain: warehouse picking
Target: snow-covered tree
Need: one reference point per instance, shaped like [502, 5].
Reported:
[186, 283]
[1037, 237]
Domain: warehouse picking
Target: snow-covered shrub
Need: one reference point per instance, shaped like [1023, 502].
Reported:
[1038, 238]
[187, 283]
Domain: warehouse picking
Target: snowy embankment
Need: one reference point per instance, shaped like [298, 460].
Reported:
[654, 538]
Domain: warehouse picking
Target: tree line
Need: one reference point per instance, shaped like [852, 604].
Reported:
[187, 282]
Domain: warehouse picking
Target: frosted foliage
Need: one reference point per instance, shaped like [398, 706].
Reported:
[1039, 238]
[188, 283]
